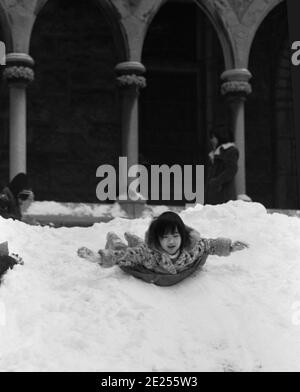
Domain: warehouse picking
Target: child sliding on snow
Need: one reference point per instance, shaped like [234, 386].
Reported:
[170, 247]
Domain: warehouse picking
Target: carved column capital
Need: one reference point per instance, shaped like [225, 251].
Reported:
[19, 69]
[236, 83]
[132, 81]
[130, 75]
[236, 87]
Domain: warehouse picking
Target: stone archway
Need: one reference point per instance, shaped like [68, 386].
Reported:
[118, 32]
[220, 16]
[73, 105]
[270, 138]
[182, 102]
[254, 14]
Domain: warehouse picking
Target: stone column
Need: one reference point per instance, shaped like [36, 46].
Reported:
[130, 80]
[18, 74]
[236, 87]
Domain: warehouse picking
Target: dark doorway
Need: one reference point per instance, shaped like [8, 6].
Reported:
[181, 103]
[272, 176]
[73, 105]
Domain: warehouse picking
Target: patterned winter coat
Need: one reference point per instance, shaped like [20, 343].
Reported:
[158, 261]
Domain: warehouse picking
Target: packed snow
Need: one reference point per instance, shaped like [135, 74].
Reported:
[240, 313]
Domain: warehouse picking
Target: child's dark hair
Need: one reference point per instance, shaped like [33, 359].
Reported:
[168, 222]
[223, 134]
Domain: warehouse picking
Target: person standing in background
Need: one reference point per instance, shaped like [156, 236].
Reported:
[15, 197]
[223, 166]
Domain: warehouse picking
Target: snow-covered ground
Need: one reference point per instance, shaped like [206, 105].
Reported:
[241, 313]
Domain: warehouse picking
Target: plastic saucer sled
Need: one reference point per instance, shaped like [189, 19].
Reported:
[164, 279]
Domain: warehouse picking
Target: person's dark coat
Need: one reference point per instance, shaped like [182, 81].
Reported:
[6, 263]
[9, 203]
[220, 187]
[9, 206]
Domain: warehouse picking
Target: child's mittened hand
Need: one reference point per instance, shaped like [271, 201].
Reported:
[237, 246]
[84, 253]
[107, 258]
[18, 259]
[133, 240]
[88, 254]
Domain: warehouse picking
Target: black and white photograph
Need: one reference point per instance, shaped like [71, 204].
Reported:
[149, 189]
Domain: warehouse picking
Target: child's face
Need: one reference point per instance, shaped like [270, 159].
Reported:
[170, 242]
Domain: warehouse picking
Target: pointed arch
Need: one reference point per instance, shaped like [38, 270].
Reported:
[6, 29]
[209, 9]
[113, 17]
[259, 9]
[226, 42]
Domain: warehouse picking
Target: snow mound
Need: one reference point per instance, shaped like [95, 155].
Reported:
[241, 313]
